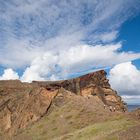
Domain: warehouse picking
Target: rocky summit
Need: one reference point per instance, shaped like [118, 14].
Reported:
[35, 111]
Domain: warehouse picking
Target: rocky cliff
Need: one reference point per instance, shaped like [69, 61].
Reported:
[93, 84]
[22, 104]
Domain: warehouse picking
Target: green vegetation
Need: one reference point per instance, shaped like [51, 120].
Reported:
[77, 124]
[100, 130]
[56, 131]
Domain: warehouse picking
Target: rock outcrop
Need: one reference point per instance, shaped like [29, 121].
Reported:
[22, 103]
[93, 84]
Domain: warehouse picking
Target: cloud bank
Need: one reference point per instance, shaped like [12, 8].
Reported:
[75, 60]
[48, 40]
[125, 78]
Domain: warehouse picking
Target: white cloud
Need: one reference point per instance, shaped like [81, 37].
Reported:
[50, 40]
[41, 68]
[76, 59]
[32, 27]
[107, 37]
[125, 78]
[131, 99]
[9, 74]
[18, 53]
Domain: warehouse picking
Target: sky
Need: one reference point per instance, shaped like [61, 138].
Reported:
[51, 40]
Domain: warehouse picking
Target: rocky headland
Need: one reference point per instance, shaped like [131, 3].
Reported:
[35, 111]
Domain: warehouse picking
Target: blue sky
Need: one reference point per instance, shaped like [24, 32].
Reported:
[130, 34]
[47, 40]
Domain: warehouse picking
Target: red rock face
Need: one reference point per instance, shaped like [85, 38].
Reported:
[94, 84]
[22, 104]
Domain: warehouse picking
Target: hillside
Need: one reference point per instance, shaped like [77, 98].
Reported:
[69, 109]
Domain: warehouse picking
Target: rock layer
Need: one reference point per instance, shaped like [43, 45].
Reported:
[93, 84]
[22, 103]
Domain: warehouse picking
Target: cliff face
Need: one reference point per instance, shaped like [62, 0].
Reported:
[22, 103]
[94, 84]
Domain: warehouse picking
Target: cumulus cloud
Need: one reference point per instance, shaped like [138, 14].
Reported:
[125, 78]
[9, 74]
[77, 59]
[41, 68]
[30, 27]
[50, 40]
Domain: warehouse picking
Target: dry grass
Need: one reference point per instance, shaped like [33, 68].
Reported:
[78, 119]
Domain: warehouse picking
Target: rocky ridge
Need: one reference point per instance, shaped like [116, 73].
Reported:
[22, 104]
[93, 84]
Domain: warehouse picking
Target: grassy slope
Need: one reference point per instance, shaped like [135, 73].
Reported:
[75, 120]
[99, 131]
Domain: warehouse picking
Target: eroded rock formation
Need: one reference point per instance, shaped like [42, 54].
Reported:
[94, 84]
[22, 103]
